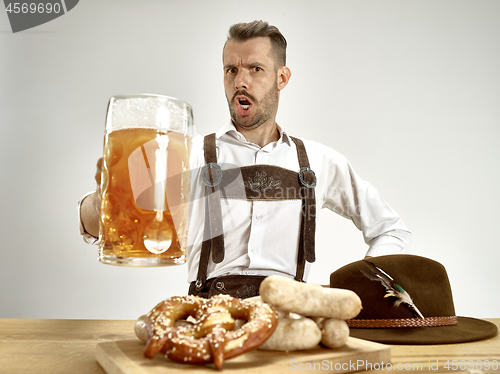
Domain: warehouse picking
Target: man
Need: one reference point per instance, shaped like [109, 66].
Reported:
[269, 227]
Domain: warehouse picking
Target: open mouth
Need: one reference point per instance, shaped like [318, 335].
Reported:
[243, 102]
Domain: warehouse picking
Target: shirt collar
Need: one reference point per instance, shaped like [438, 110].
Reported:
[230, 129]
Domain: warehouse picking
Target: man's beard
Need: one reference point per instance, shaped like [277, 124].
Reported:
[268, 107]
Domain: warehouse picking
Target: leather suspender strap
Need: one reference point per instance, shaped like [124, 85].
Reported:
[213, 235]
[308, 226]
[210, 149]
[212, 193]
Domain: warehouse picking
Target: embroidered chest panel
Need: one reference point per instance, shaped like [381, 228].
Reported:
[261, 182]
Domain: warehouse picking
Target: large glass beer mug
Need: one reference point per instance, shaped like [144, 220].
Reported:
[145, 181]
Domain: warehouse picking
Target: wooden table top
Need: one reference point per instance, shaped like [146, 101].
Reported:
[69, 346]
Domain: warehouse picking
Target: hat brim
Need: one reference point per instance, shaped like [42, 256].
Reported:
[466, 330]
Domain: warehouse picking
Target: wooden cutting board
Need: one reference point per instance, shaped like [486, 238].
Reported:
[126, 357]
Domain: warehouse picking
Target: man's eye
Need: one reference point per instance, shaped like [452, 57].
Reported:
[257, 68]
[231, 71]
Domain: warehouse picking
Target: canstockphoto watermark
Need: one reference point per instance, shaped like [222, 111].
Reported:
[25, 15]
[431, 365]
[351, 366]
[146, 181]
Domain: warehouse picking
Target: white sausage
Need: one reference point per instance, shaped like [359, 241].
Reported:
[140, 329]
[309, 299]
[293, 333]
[335, 332]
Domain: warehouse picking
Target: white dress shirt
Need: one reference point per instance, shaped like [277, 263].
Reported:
[261, 237]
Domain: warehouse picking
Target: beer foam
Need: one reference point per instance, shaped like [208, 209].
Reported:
[149, 111]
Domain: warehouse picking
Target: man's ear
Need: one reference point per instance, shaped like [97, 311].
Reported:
[284, 75]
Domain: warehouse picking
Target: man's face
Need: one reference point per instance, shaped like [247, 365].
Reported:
[251, 82]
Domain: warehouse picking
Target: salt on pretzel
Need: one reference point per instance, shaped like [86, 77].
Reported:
[212, 337]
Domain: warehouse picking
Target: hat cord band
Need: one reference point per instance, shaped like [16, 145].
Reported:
[402, 322]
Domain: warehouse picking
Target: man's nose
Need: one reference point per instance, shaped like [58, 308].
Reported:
[241, 81]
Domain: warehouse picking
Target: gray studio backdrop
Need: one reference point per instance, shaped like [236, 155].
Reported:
[407, 90]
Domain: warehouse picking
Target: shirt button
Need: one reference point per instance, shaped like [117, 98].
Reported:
[258, 217]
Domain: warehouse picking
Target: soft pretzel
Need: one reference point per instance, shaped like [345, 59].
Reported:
[308, 299]
[212, 336]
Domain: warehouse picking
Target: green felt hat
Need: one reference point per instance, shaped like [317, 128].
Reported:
[427, 284]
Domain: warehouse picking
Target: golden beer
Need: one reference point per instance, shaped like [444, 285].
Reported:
[144, 197]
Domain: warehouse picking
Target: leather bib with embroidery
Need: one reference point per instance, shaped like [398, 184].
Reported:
[257, 182]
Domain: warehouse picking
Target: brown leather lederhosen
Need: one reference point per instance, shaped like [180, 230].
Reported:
[259, 182]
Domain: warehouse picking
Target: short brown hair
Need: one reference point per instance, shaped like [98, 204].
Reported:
[245, 31]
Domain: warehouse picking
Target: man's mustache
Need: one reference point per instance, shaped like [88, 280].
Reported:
[244, 93]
